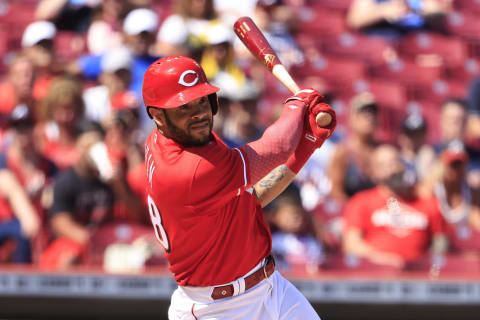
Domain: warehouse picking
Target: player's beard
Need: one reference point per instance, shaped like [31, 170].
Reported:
[184, 137]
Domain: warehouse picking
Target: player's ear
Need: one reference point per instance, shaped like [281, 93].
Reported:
[158, 116]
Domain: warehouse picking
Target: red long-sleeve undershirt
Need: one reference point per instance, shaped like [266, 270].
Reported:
[277, 143]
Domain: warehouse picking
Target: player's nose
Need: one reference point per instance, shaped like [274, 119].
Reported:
[201, 112]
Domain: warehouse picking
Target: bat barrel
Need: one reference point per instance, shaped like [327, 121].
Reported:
[255, 41]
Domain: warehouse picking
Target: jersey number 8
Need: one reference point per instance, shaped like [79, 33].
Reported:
[156, 218]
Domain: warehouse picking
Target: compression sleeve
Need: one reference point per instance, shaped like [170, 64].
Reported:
[277, 143]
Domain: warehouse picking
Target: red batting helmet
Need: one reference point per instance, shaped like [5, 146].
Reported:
[174, 81]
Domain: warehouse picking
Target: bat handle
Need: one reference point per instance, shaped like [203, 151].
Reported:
[282, 74]
[323, 119]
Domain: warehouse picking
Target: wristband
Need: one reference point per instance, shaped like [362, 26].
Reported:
[302, 153]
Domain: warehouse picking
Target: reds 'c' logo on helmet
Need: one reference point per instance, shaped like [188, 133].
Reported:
[174, 81]
[188, 84]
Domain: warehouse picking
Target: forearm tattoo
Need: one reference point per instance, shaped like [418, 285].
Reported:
[273, 177]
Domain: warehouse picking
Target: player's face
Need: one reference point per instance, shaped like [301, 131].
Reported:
[190, 124]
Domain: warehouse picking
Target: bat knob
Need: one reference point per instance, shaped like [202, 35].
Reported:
[323, 119]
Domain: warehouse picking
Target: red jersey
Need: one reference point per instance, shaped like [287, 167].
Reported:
[210, 226]
[392, 224]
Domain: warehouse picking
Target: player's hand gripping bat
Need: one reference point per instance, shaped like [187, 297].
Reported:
[256, 43]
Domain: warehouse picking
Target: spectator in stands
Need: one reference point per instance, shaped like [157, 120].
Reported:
[474, 97]
[125, 153]
[221, 68]
[415, 153]
[17, 88]
[37, 44]
[33, 171]
[275, 18]
[391, 224]
[23, 175]
[393, 18]
[81, 200]
[459, 202]
[238, 123]
[453, 118]
[229, 11]
[138, 30]
[472, 134]
[105, 31]
[59, 113]
[181, 33]
[72, 15]
[349, 171]
[84, 197]
[294, 243]
[112, 94]
[315, 188]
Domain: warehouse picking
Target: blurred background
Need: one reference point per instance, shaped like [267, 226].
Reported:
[383, 222]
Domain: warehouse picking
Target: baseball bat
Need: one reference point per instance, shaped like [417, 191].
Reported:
[256, 43]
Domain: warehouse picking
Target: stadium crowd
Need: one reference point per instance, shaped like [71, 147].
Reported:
[396, 188]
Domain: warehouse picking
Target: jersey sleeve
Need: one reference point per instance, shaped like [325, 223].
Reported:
[218, 177]
[354, 213]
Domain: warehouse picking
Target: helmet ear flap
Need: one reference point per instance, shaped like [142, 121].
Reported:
[213, 99]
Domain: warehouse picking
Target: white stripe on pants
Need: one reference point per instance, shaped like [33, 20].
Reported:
[272, 299]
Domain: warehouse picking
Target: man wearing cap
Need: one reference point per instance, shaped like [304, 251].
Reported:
[205, 199]
[112, 94]
[37, 43]
[218, 62]
[138, 31]
[415, 152]
[30, 72]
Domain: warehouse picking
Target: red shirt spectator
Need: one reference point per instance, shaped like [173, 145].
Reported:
[18, 86]
[60, 112]
[391, 224]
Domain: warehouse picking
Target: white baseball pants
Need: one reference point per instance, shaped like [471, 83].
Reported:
[272, 299]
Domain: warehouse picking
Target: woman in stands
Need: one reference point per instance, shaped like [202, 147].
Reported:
[59, 114]
[459, 202]
[350, 166]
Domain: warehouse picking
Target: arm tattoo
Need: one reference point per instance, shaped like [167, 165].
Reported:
[274, 176]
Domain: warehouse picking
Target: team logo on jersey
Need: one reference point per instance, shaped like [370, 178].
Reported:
[183, 82]
[400, 219]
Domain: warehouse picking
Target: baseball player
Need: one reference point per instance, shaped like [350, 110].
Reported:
[205, 199]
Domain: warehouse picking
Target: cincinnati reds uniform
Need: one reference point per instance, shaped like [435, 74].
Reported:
[206, 217]
[213, 231]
